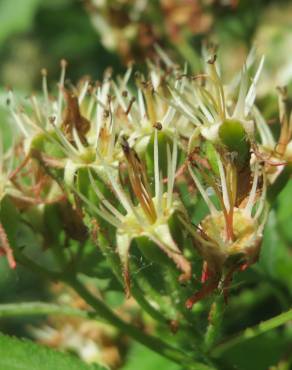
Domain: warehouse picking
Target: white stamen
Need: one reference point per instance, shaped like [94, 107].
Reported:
[223, 184]
[250, 97]
[181, 110]
[20, 124]
[163, 56]
[78, 142]
[45, 89]
[83, 92]
[36, 108]
[110, 149]
[252, 194]
[262, 200]
[61, 87]
[101, 197]
[265, 133]
[71, 150]
[159, 207]
[141, 103]
[171, 169]
[126, 202]
[204, 194]
[239, 109]
[195, 234]
[102, 213]
[90, 107]
[156, 166]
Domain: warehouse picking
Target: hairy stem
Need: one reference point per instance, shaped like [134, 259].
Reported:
[215, 320]
[137, 293]
[105, 313]
[149, 341]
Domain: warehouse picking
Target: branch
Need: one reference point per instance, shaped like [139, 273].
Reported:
[105, 313]
[253, 332]
[153, 343]
[41, 308]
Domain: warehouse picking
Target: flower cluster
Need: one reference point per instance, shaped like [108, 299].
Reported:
[121, 151]
[130, 28]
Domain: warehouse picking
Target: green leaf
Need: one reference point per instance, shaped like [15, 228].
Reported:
[163, 141]
[259, 353]
[10, 219]
[276, 188]
[16, 354]
[143, 359]
[16, 18]
[275, 256]
[284, 212]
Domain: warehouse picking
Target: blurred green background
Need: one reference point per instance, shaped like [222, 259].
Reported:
[93, 35]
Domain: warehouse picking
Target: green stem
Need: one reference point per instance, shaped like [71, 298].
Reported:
[140, 294]
[215, 321]
[135, 289]
[253, 332]
[151, 342]
[41, 308]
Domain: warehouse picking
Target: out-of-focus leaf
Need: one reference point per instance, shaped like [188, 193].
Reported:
[10, 219]
[16, 17]
[284, 212]
[5, 129]
[263, 352]
[275, 258]
[143, 359]
[18, 354]
[21, 235]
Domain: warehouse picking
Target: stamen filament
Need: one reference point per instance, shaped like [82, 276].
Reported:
[252, 194]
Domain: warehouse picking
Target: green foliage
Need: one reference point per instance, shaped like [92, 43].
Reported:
[67, 242]
[264, 351]
[140, 358]
[16, 354]
[16, 19]
[284, 212]
[275, 256]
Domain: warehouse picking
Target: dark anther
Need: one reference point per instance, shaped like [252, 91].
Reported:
[106, 114]
[52, 119]
[125, 145]
[133, 99]
[158, 126]
[212, 60]
[174, 326]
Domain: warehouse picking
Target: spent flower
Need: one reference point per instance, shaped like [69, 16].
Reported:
[117, 146]
[208, 103]
[229, 237]
[149, 216]
[276, 154]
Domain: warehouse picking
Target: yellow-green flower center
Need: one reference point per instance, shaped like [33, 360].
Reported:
[244, 230]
